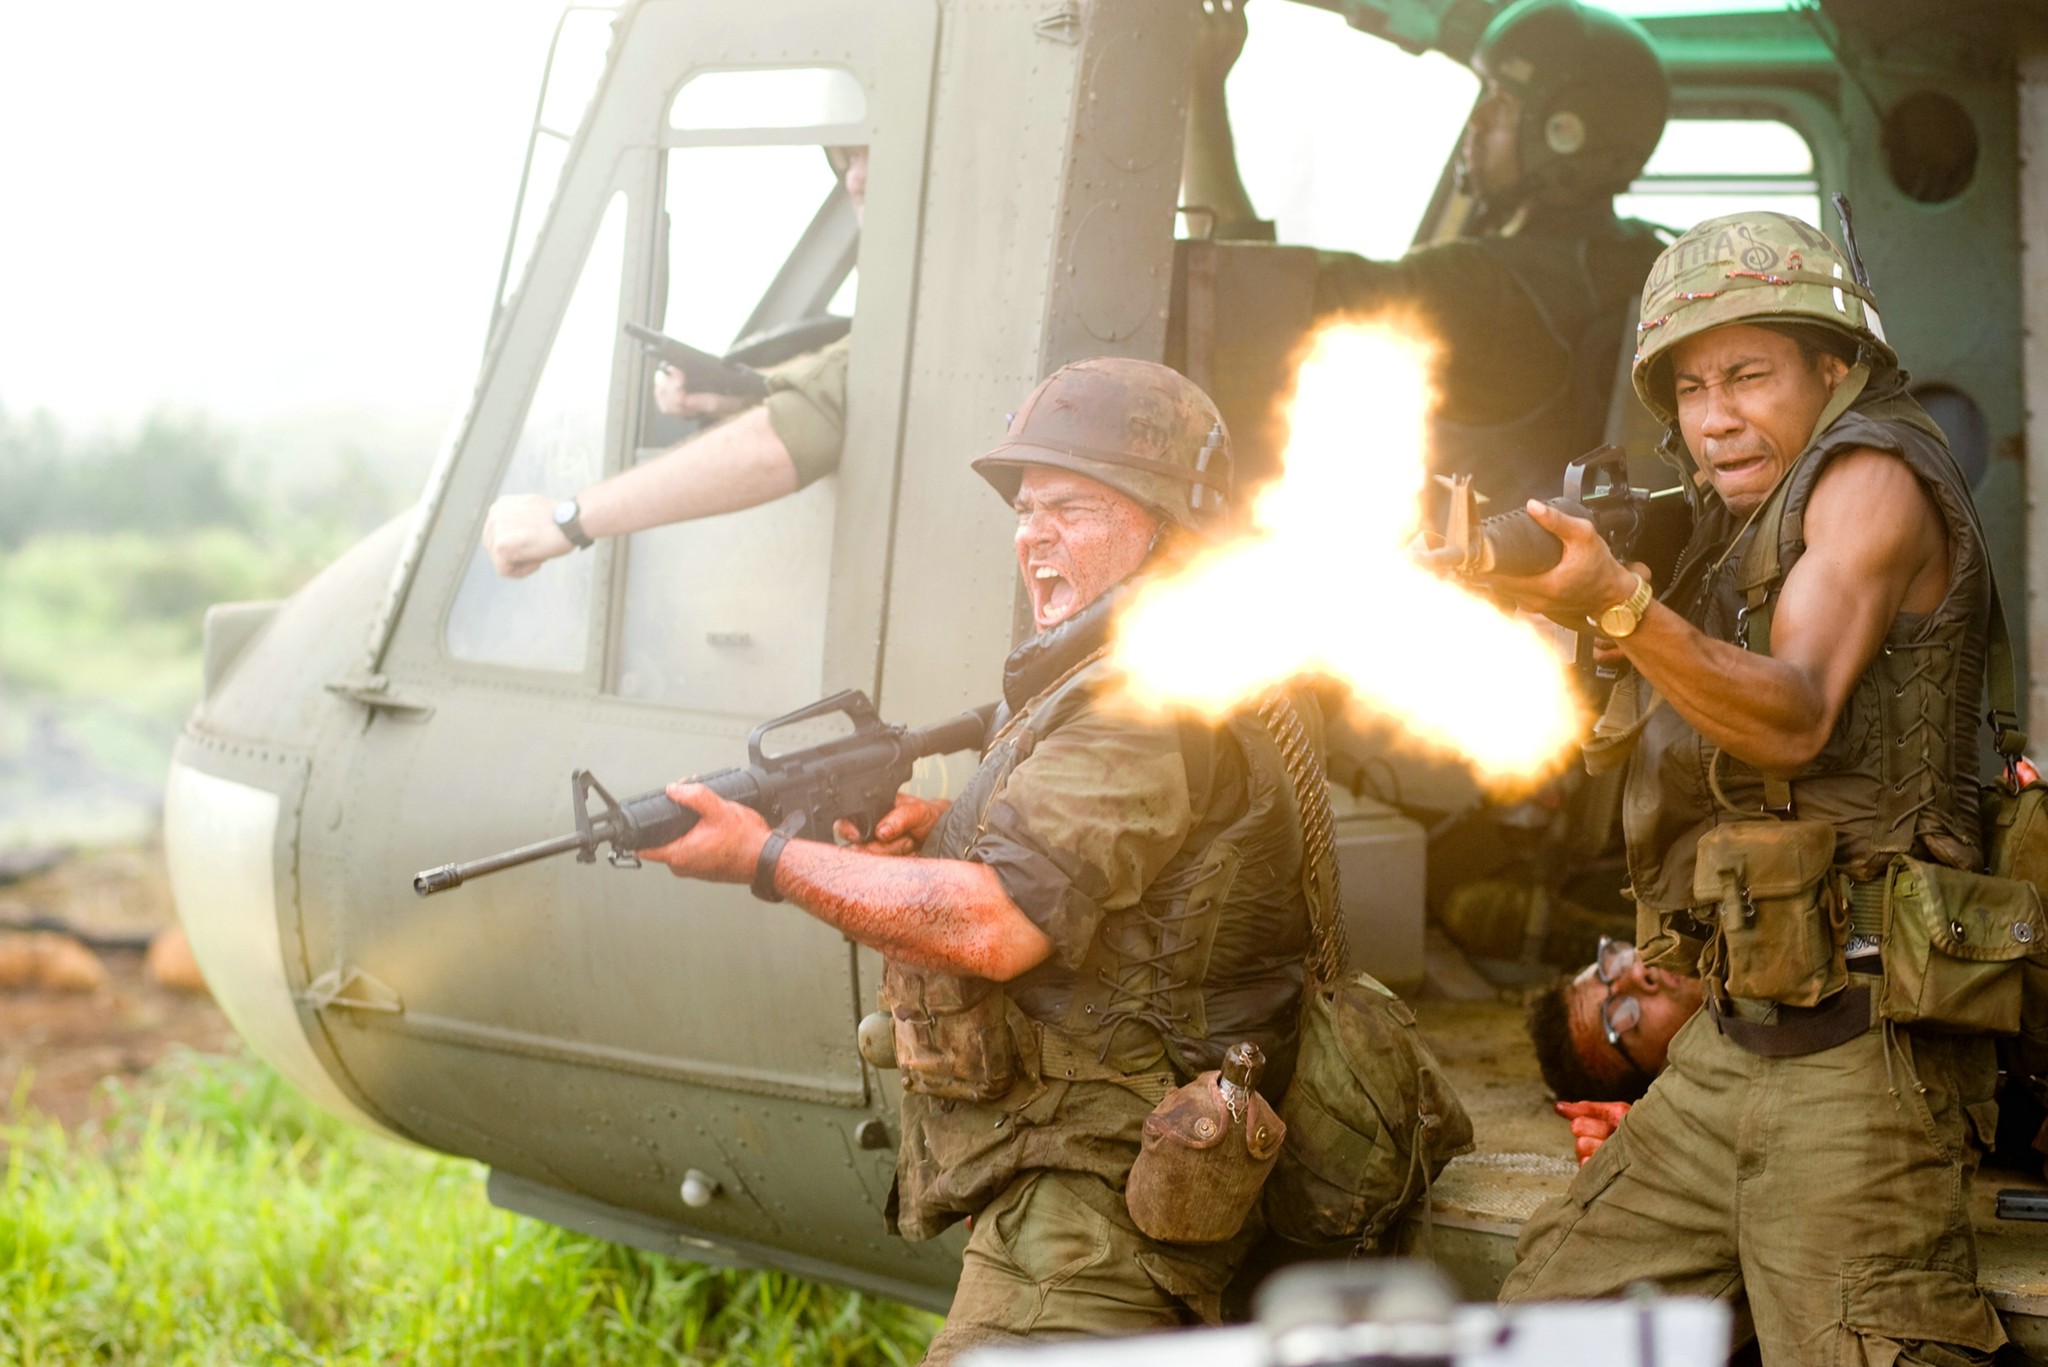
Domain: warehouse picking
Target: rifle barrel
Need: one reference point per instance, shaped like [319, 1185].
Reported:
[431, 881]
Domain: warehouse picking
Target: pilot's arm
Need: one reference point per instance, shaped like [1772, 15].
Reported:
[789, 440]
[1208, 174]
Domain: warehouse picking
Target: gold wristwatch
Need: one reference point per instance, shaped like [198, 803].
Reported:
[1620, 621]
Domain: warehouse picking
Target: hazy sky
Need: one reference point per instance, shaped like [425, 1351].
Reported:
[255, 208]
[262, 208]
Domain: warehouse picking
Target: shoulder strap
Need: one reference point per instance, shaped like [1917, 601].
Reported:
[2001, 687]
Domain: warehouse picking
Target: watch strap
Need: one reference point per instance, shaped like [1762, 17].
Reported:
[572, 525]
[1635, 605]
[764, 867]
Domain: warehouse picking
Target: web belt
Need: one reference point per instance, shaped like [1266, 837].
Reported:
[1800, 1030]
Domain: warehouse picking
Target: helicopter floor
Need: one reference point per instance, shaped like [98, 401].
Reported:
[1524, 1157]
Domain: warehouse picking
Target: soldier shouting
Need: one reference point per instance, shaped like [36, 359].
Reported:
[1109, 904]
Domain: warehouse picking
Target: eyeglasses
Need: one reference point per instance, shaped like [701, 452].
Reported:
[1619, 1011]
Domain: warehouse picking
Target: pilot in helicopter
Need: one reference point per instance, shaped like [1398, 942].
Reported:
[759, 453]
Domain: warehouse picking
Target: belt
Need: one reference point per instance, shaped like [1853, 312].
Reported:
[1800, 1029]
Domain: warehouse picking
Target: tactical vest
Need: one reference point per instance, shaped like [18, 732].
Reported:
[1583, 281]
[1898, 775]
[1212, 953]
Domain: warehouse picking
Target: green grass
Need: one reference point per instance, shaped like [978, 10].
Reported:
[219, 1218]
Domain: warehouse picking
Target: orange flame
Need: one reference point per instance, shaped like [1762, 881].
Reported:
[1324, 583]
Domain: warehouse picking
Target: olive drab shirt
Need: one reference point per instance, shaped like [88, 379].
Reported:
[1162, 858]
[806, 406]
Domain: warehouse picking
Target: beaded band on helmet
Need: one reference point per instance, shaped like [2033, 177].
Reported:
[1756, 267]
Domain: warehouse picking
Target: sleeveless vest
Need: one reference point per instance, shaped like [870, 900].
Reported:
[1584, 282]
[1899, 772]
[1212, 953]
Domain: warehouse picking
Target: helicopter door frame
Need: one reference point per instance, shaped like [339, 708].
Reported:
[556, 962]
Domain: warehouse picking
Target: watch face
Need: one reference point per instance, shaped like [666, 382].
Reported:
[565, 512]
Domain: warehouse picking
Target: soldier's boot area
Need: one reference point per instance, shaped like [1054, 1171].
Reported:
[1056, 1256]
[1778, 1178]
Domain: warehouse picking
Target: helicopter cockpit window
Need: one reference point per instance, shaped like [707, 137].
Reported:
[1703, 168]
[764, 183]
[543, 621]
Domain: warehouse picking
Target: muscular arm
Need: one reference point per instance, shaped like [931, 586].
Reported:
[946, 914]
[1875, 547]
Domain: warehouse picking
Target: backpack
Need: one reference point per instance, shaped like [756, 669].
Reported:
[1371, 1120]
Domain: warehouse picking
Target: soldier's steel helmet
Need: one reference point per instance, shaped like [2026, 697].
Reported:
[1593, 94]
[1756, 267]
[1142, 428]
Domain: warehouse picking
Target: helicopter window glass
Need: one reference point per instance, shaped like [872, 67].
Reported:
[796, 97]
[1312, 101]
[575, 67]
[1706, 167]
[543, 620]
[772, 287]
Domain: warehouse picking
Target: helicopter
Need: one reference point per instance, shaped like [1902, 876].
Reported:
[676, 1066]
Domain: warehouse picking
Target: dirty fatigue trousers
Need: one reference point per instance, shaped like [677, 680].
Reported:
[1056, 1256]
[1799, 1183]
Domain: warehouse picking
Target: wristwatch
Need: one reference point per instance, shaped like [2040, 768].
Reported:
[568, 515]
[1620, 621]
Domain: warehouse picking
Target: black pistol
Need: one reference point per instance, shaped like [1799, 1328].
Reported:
[703, 373]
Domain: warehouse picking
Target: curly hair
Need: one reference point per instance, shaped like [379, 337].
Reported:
[1549, 1019]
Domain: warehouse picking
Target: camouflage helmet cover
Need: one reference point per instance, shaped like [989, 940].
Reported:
[1593, 94]
[1755, 267]
[1141, 428]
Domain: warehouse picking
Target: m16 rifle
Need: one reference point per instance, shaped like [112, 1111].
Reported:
[854, 777]
[1637, 524]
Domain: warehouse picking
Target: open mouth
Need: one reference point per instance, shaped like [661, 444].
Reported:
[1053, 596]
[1737, 462]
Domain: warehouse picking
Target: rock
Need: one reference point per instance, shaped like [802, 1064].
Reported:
[68, 966]
[18, 959]
[45, 959]
[171, 963]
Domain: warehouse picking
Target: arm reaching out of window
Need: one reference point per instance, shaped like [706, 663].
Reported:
[771, 450]
[735, 465]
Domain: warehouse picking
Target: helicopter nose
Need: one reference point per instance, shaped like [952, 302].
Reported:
[220, 843]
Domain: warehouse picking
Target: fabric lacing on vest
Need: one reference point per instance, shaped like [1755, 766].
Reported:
[1918, 738]
[1328, 952]
[1143, 990]
[1134, 998]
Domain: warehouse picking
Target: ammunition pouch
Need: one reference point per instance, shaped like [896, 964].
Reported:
[1370, 1118]
[953, 1035]
[1958, 948]
[1200, 1168]
[1778, 914]
[1672, 940]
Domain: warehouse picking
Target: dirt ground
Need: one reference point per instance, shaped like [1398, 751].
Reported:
[63, 1045]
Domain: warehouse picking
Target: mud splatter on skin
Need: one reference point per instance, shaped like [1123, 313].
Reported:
[1076, 538]
[944, 914]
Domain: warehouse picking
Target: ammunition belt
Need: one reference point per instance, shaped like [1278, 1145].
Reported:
[1329, 952]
